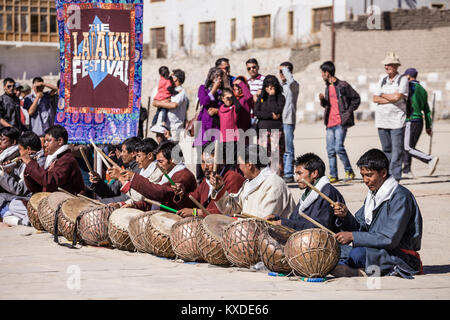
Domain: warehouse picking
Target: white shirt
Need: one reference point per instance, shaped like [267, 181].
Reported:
[177, 116]
[392, 115]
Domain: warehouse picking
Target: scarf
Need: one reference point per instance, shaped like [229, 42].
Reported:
[8, 152]
[313, 195]
[147, 172]
[251, 186]
[180, 166]
[375, 199]
[52, 157]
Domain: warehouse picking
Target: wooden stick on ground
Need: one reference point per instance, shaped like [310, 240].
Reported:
[198, 204]
[319, 192]
[88, 164]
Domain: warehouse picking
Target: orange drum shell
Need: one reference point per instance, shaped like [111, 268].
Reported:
[184, 239]
[65, 224]
[93, 226]
[240, 242]
[159, 243]
[136, 230]
[271, 248]
[210, 248]
[47, 216]
[33, 211]
[312, 253]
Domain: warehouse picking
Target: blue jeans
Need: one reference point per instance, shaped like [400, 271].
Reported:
[288, 157]
[335, 145]
[392, 144]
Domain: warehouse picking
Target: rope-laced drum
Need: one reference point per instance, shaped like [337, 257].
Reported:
[118, 228]
[136, 230]
[271, 248]
[32, 209]
[48, 207]
[209, 238]
[68, 213]
[157, 233]
[184, 239]
[240, 241]
[93, 225]
[313, 253]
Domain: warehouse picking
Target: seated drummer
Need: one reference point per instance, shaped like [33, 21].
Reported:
[60, 169]
[170, 159]
[311, 168]
[232, 183]
[386, 232]
[8, 144]
[263, 192]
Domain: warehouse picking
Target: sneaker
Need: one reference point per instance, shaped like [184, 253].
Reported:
[407, 175]
[289, 179]
[349, 176]
[333, 179]
[11, 220]
[432, 165]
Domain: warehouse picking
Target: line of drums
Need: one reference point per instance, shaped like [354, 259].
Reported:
[215, 239]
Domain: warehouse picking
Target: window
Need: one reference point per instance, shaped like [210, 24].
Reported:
[181, 36]
[437, 5]
[261, 27]
[207, 33]
[290, 23]
[233, 29]
[158, 36]
[321, 15]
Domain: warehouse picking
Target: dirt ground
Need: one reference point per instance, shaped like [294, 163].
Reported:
[34, 267]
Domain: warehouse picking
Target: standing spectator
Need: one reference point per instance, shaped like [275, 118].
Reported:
[268, 111]
[165, 92]
[39, 105]
[390, 113]
[256, 79]
[176, 106]
[224, 64]
[290, 90]
[414, 124]
[10, 106]
[340, 101]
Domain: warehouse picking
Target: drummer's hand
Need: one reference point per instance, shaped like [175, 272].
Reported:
[128, 205]
[344, 237]
[216, 181]
[178, 189]
[340, 210]
[273, 218]
[94, 177]
[186, 212]
[125, 176]
[116, 205]
[114, 172]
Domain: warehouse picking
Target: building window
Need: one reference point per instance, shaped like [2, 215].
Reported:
[207, 33]
[290, 23]
[181, 35]
[261, 27]
[158, 37]
[321, 15]
[233, 29]
[437, 5]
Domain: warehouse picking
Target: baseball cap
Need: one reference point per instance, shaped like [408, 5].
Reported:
[26, 87]
[411, 72]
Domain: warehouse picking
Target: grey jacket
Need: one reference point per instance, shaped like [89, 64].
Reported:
[396, 224]
[291, 89]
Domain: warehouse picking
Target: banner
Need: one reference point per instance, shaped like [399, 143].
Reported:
[101, 69]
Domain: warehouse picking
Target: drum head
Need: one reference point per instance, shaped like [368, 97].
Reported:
[121, 217]
[163, 221]
[37, 197]
[72, 207]
[55, 198]
[215, 223]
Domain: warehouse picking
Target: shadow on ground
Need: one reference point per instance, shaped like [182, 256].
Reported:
[436, 269]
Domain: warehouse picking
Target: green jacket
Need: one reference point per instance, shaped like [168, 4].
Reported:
[419, 103]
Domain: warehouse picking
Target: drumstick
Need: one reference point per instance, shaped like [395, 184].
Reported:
[101, 157]
[91, 200]
[166, 175]
[108, 158]
[216, 156]
[65, 191]
[314, 222]
[258, 218]
[86, 160]
[319, 192]
[156, 203]
[198, 204]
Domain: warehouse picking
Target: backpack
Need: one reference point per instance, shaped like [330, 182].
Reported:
[409, 108]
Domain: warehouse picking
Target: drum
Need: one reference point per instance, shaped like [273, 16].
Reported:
[184, 239]
[313, 253]
[93, 226]
[32, 209]
[47, 209]
[240, 241]
[157, 233]
[67, 215]
[118, 228]
[209, 238]
[136, 230]
[271, 244]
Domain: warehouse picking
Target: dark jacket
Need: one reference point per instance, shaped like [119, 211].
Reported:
[10, 110]
[348, 101]
[396, 224]
[264, 108]
[320, 210]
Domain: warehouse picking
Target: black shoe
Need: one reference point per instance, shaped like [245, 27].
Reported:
[289, 180]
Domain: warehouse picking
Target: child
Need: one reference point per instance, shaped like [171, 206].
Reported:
[166, 89]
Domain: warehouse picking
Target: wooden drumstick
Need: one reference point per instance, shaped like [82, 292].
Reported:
[156, 203]
[91, 200]
[65, 191]
[86, 160]
[198, 204]
[108, 158]
[216, 156]
[314, 222]
[101, 156]
[319, 192]
[258, 218]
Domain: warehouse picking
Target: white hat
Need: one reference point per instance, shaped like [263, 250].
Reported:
[391, 58]
[159, 128]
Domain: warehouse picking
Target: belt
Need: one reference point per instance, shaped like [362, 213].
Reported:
[415, 254]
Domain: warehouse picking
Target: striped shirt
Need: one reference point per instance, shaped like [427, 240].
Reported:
[256, 84]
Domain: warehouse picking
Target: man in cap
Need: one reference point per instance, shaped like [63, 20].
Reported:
[390, 114]
[414, 125]
[162, 132]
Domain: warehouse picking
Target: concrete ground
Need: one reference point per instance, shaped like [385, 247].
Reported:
[34, 267]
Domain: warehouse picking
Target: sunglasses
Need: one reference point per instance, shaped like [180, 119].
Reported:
[253, 67]
[10, 86]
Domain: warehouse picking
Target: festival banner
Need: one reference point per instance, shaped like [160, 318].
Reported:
[101, 69]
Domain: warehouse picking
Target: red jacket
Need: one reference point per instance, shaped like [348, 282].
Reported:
[64, 172]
